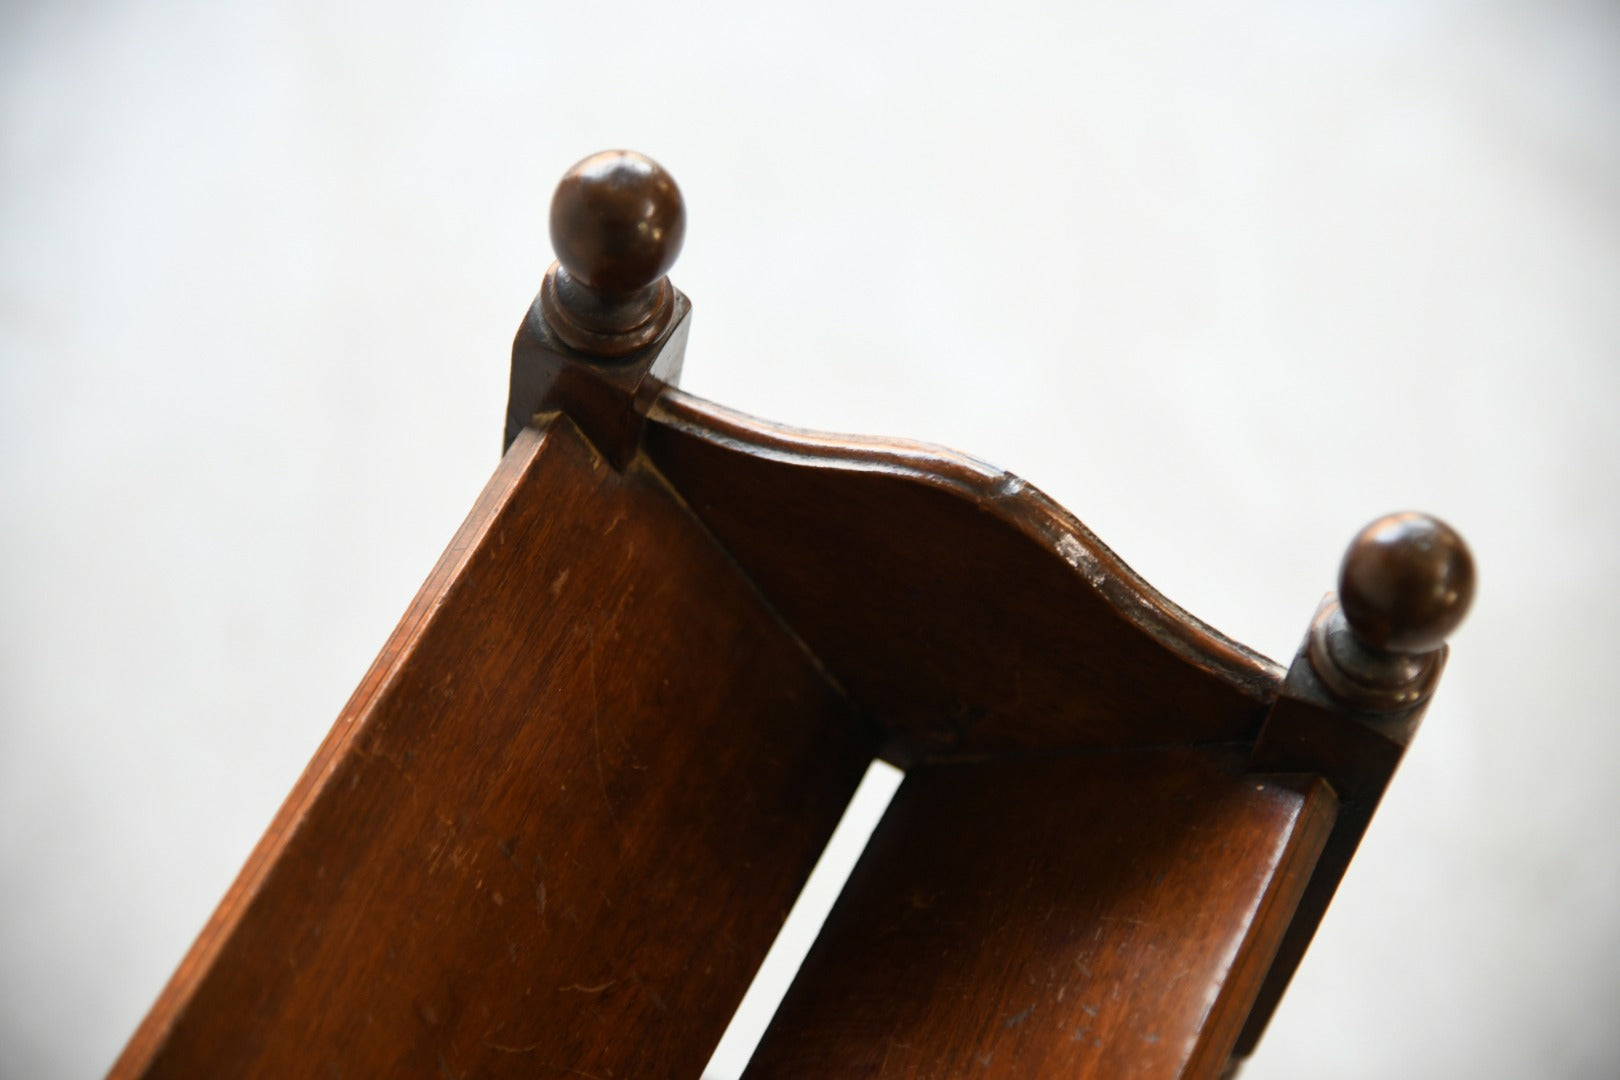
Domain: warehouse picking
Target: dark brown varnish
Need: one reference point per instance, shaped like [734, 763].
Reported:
[1091, 915]
[559, 823]
[967, 612]
[555, 830]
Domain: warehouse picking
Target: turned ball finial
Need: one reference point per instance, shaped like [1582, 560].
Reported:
[1406, 582]
[617, 222]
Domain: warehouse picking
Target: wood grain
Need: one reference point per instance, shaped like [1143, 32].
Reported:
[967, 612]
[556, 828]
[1092, 915]
[561, 820]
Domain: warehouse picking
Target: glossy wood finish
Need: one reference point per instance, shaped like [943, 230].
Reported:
[607, 331]
[617, 222]
[556, 828]
[1406, 583]
[1093, 915]
[560, 821]
[963, 609]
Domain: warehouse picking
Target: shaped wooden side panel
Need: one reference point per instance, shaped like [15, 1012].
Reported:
[558, 825]
[966, 611]
[1100, 915]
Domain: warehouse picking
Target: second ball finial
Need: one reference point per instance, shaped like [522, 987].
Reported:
[1405, 584]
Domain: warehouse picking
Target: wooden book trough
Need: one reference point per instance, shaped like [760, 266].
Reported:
[564, 815]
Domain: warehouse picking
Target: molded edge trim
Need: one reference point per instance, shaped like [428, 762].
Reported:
[1008, 498]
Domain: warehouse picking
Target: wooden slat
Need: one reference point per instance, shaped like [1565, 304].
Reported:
[1096, 915]
[557, 826]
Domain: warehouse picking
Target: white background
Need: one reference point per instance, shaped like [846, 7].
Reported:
[1226, 280]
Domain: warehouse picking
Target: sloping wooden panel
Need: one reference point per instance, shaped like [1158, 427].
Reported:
[1092, 915]
[967, 612]
[556, 828]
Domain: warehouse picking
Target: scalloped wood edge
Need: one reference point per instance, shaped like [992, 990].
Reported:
[1058, 543]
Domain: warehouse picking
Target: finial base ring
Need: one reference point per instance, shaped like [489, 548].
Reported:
[1362, 676]
[601, 326]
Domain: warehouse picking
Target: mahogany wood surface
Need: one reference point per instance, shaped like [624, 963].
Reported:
[1105, 914]
[556, 828]
[963, 609]
[561, 820]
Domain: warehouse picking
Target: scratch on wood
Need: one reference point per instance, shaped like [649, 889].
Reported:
[1128, 920]
[1019, 1017]
[596, 726]
[578, 988]
[1075, 554]
[531, 1048]
[887, 1050]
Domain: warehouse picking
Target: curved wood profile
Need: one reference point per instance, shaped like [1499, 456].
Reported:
[964, 609]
